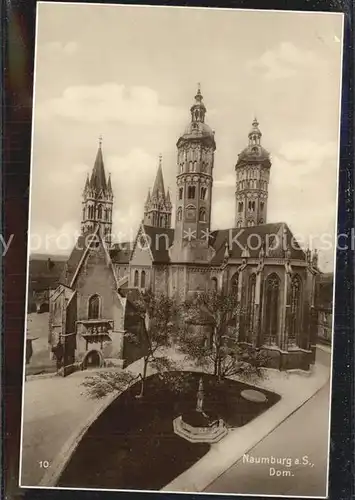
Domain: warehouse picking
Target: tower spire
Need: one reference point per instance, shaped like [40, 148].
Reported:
[98, 199]
[157, 208]
[252, 189]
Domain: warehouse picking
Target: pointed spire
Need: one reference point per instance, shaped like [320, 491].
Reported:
[168, 199]
[98, 177]
[148, 197]
[87, 184]
[158, 188]
[109, 185]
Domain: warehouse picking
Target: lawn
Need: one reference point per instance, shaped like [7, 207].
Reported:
[132, 444]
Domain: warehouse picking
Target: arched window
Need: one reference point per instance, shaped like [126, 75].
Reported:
[195, 166]
[94, 307]
[203, 193]
[202, 215]
[143, 279]
[261, 205]
[240, 206]
[179, 214]
[99, 212]
[106, 213]
[272, 292]
[181, 167]
[136, 278]
[251, 302]
[84, 213]
[191, 192]
[181, 190]
[239, 224]
[214, 284]
[190, 166]
[295, 310]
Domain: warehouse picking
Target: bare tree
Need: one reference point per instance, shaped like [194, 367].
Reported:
[158, 313]
[217, 342]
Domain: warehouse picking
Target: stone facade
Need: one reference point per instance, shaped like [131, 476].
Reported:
[274, 279]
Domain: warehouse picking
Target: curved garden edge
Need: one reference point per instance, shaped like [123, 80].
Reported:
[220, 461]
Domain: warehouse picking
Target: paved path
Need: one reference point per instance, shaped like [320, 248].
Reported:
[53, 409]
[303, 434]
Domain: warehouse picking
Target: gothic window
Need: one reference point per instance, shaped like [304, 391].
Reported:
[179, 214]
[195, 166]
[203, 193]
[272, 309]
[181, 167]
[240, 206]
[181, 190]
[202, 216]
[295, 310]
[136, 278]
[190, 166]
[84, 213]
[99, 212]
[251, 302]
[239, 224]
[204, 167]
[261, 205]
[214, 284]
[143, 279]
[251, 206]
[191, 192]
[234, 284]
[94, 307]
[106, 213]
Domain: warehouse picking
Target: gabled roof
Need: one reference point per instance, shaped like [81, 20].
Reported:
[160, 239]
[239, 238]
[74, 259]
[120, 253]
[44, 274]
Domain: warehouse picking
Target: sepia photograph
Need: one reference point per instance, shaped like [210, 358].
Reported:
[182, 250]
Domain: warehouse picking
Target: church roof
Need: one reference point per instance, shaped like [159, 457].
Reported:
[98, 177]
[244, 237]
[254, 153]
[160, 239]
[44, 273]
[75, 257]
[121, 252]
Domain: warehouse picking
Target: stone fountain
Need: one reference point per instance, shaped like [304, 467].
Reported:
[197, 426]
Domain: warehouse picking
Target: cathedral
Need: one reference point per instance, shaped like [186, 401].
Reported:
[93, 306]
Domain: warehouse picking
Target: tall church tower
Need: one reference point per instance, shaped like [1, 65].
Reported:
[195, 158]
[98, 200]
[157, 208]
[252, 181]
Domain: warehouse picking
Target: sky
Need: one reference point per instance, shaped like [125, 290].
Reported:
[130, 75]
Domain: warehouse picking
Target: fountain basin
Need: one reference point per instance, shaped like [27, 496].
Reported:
[208, 431]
